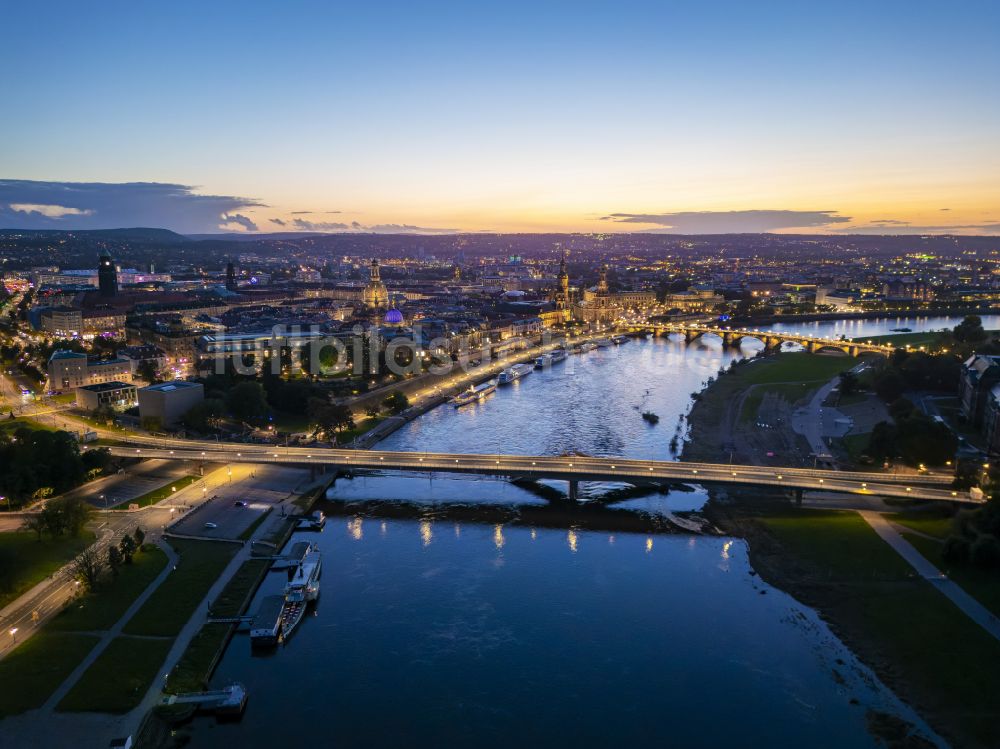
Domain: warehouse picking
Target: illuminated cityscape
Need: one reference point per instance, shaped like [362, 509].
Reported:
[458, 376]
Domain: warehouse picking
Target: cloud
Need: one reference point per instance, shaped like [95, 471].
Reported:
[278, 221]
[306, 213]
[29, 204]
[406, 229]
[728, 222]
[306, 225]
[240, 220]
[902, 227]
[49, 211]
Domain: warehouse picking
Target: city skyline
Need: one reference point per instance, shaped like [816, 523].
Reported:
[433, 120]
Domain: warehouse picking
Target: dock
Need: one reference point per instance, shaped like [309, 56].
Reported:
[231, 700]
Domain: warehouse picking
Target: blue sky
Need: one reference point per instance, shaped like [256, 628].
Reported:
[509, 116]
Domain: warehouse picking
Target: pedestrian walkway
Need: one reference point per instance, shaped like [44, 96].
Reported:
[114, 631]
[969, 605]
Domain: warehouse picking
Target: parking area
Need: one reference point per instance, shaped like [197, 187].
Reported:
[134, 482]
[238, 496]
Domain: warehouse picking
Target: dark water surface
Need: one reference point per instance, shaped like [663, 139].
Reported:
[441, 633]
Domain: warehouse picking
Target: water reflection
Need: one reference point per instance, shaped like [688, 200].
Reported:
[571, 539]
[426, 532]
[498, 536]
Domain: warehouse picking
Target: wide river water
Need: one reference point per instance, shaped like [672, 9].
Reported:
[436, 632]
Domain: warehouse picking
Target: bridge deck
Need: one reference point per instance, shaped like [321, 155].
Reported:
[569, 468]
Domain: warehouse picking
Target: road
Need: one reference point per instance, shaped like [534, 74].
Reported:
[567, 468]
[46, 599]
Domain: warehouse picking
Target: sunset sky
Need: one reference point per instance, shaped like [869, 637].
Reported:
[689, 117]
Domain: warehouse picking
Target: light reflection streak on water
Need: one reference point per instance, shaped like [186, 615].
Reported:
[649, 544]
[571, 539]
[725, 549]
[498, 539]
[355, 529]
[426, 532]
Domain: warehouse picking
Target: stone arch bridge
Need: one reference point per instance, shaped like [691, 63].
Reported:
[773, 339]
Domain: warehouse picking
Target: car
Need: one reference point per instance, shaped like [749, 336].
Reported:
[211, 525]
[239, 503]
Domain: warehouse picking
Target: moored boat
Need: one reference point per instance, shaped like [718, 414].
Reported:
[511, 374]
[474, 394]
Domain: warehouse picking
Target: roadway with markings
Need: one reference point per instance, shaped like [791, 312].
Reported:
[568, 468]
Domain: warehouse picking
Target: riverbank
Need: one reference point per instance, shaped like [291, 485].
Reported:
[920, 645]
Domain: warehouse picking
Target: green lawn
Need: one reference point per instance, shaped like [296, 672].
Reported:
[12, 425]
[293, 423]
[108, 604]
[173, 603]
[240, 588]
[796, 366]
[193, 670]
[158, 495]
[36, 668]
[25, 561]
[118, 680]
[937, 524]
[841, 542]
[983, 585]
[365, 425]
[888, 614]
[901, 340]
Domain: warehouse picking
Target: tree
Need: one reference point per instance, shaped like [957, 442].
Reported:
[148, 371]
[198, 416]
[152, 423]
[247, 402]
[87, 568]
[114, 559]
[140, 537]
[848, 383]
[396, 403]
[36, 523]
[372, 410]
[970, 330]
[127, 548]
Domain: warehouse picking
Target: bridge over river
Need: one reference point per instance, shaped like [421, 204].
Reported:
[572, 469]
[772, 339]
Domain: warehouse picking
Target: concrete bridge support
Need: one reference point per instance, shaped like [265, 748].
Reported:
[574, 491]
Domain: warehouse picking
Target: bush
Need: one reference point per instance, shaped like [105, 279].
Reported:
[985, 551]
[956, 549]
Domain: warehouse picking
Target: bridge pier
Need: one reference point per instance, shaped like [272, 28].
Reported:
[798, 497]
[574, 490]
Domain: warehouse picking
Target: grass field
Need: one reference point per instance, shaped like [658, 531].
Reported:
[795, 366]
[33, 671]
[842, 542]
[12, 425]
[26, 561]
[108, 604]
[937, 524]
[192, 672]
[934, 653]
[363, 426]
[983, 585]
[169, 608]
[117, 681]
[158, 495]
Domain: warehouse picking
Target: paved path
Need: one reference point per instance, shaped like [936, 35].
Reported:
[972, 608]
[115, 630]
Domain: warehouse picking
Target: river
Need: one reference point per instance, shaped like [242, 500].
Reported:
[435, 632]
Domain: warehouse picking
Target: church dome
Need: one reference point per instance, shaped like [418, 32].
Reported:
[394, 317]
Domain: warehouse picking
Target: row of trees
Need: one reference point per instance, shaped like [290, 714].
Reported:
[61, 516]
[976, 537]
[913, 435]
[91, 566]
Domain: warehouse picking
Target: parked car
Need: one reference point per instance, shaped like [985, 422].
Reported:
[211, 525]
[239, 503]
